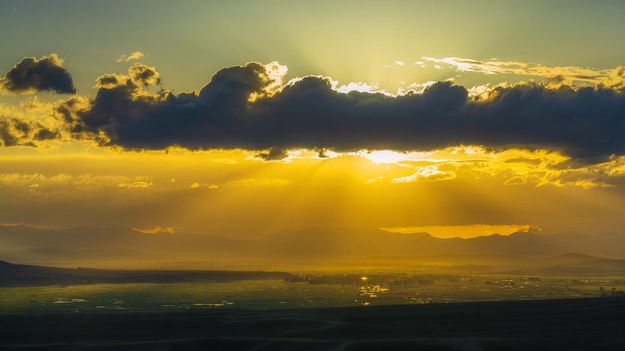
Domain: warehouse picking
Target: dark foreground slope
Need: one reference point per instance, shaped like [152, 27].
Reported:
[589, 324]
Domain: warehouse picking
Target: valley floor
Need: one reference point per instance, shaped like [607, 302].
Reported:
[567, 324]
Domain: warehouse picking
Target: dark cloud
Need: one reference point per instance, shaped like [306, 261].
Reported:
[120, 96]
[10, 132]
[273, 154]
[68, 109]
[146, 75]
[309, 113]
[139, 75]
[46, 134]
[21, 129]
[38, 74]
[15, 132]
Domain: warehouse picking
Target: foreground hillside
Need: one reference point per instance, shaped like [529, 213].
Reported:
[574, 324]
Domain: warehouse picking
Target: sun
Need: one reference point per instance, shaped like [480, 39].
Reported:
[385, 156]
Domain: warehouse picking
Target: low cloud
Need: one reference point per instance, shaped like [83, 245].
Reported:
[62, 184]
[35, 74]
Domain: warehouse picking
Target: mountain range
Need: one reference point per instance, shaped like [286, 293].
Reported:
[101, 246]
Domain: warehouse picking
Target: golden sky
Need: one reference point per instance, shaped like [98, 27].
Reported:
[455, 121]
[236, 193]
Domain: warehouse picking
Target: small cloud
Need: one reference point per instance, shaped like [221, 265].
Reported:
[400, 63]
[258, 182]
[374, 180]
[516, 180]
[209, 186]
[138, 184]
[34, 74]
[138, 75]
[135, 55]
[359, 87]
[432, 173]
[273, 154]
[155, 230]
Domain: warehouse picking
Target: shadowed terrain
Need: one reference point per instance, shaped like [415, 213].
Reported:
[20, 275]
[574, 324]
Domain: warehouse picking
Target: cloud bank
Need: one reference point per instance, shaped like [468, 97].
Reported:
[251, 107]
[245, 107]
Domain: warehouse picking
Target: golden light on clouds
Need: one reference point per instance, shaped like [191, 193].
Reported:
[463, 231]
[133, 56]
[274, 80]
[386, 156]
[231, 191]
[510, 166]
[278, 125]
[426, 172]
[155, 230]
[52, 168]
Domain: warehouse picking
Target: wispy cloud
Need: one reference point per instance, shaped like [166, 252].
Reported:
[136, 184]
[155, 230]
[613, 77]
[258, 182]
[133, 56]
[432, 173]
[74, 182]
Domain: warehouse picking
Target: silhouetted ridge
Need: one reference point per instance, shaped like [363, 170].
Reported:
[21, 275]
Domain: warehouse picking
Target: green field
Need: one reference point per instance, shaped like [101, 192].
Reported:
[242, 294]
[306, 292]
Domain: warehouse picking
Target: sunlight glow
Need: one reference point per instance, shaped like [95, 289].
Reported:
[385, 156]
[155, 230]
[463, 231]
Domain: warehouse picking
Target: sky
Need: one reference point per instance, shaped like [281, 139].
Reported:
[247, 119]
